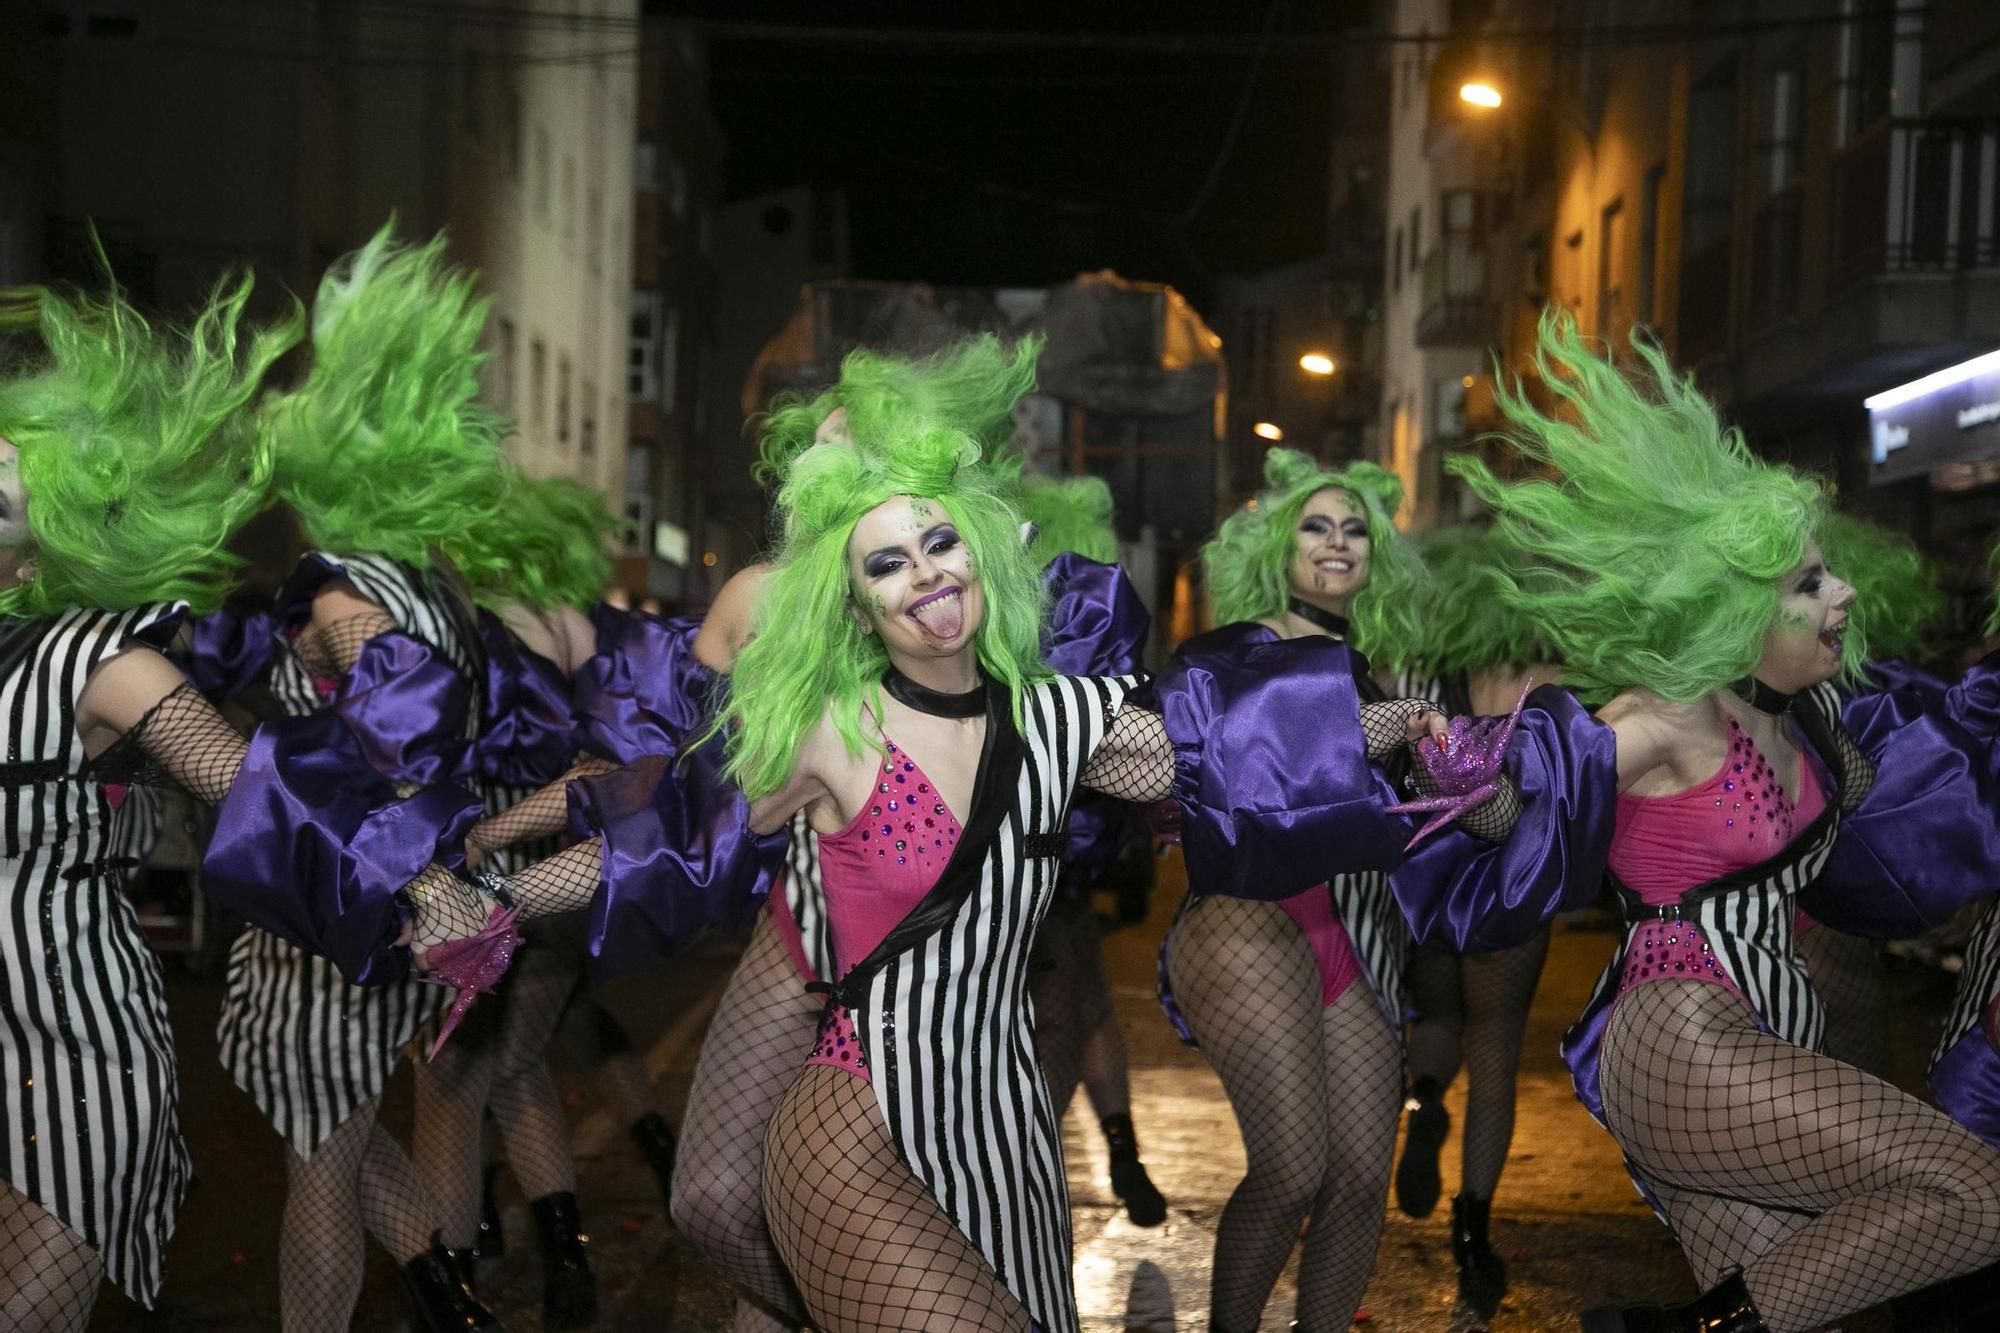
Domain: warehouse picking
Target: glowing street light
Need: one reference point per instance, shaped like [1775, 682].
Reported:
[1268, 430]
[1316, 363]
[1479, 93]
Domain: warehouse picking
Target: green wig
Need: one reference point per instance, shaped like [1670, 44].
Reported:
[547, 546]
[1467, 625]
[1897, 591]
[1654, 558]
[1069, 514]
[779, 693]
[972, 387]
[384, 448]
[138, 454]
[1248, 561]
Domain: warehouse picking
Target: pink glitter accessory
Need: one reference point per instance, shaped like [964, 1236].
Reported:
[1465, 768]
[473, 965]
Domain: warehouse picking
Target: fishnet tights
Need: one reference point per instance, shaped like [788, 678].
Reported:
[760, 1037]
[357, 1184]
[1316, 1093]
[1832, 1189]
[869, 1246]
[1474, 1008]
[1846, 972]
[539, 815]
[598, 1046]
[1076, 1032]
[329, 651]
[48, 1273]
[497, 1059]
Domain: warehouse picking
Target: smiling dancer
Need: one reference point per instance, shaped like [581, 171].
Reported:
[1678, 578]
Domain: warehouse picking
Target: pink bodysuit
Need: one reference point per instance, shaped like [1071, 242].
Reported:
[875, 872]
[1332, 950]
[1665, 845]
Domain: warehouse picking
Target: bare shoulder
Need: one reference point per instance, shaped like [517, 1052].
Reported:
[1652, 732]
[732, 617]
[532, 629]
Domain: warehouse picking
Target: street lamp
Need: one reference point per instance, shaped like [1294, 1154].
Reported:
[1480, 93]
[1268, 430]
[1316, 363]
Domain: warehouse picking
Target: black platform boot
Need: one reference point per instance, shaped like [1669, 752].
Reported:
[1144, 1203]
[656, 1144]
[1482, 1278]
[489, 1242]
[1417, 1181]
[442, 1302]
[569, 1288]
[1725, 1307]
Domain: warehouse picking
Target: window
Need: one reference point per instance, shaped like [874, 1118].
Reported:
[1447, 408]
[541, 173]
[642, 357]
[645, 166]
[1645, 298]
[471, 95]
[1396, 261]
[1416, 237]
[1611, 315]
[510, 125]
[1867, 86]
[569, 204]
[503, 368]
[670, 362]
[538, 384]
[562, 398]
[593, 230]
[1572, 275]
[1782, 131]
[586, 424]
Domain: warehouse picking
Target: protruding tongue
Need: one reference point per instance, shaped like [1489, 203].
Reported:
[944, 618]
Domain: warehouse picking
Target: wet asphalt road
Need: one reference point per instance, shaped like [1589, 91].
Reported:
[1567, 1221]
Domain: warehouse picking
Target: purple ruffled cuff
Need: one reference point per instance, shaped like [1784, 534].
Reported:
[1925, 838]
[1966, 1083]
[1097, 625]
[678, 855]
[1270, 766]
[407, 707]
[228, 651]
[1973, 702]
[528, 731]
[1459, 892]
[313, 845]
[645, 692]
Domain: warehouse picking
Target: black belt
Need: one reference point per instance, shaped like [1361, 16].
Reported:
[1637, 912]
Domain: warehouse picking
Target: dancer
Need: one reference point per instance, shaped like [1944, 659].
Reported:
[1678, 577]
[1076, 1026]
[390, 397]
[124, 464]
[1473, 654]
[1311, 1061]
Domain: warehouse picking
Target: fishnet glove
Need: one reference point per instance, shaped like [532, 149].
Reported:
[1135, 761]
[1857, 770]
[449, 908]
[1492, 819]
[182, 742]
[1385, 727]
[544, 813]
[329, 651]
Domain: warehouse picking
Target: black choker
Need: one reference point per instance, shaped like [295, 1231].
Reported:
[935, 702]
[1762, 697]
[1326, 620]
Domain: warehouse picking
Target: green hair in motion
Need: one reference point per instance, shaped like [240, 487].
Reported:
[1896, 590]
[1248, 561]
[384, 448]
[546, 547]
[1069, 514]
[137, 449]
[971, 386]
[777, 692]
[1657, 551]
[1467, 625]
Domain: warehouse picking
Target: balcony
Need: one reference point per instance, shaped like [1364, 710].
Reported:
[1915, 196]
[1458, 309]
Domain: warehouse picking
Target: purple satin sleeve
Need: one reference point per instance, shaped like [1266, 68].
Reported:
[1097, 625]
[313, 845]
[1973, 701]
[644, 692]
[1097, 829]
[228, 651]
[1269, 764]
[408, 709]
[1892, 676]
[1966, 1083]
[677, 854]
[1925, 838]
[293, 605]
[1459, 892]
[527, 733]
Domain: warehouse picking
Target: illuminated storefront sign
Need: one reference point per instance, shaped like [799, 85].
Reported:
[1949, 417]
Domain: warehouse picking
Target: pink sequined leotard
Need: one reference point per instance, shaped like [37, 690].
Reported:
[1665, 845]
[875, 872]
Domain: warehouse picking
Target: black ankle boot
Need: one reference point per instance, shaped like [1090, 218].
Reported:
[1144, 1203]
[1417, 1181]
[1724, 1308]
[569, 1288]
[464, 1265]
[443, 1304]
[489, 1242]
[656, 1144]
[1956, 1305]
[1482, 1278]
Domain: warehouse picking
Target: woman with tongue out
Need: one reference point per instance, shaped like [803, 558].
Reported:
[1679, 581]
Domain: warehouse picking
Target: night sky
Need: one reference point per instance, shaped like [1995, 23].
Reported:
[1027, 164]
